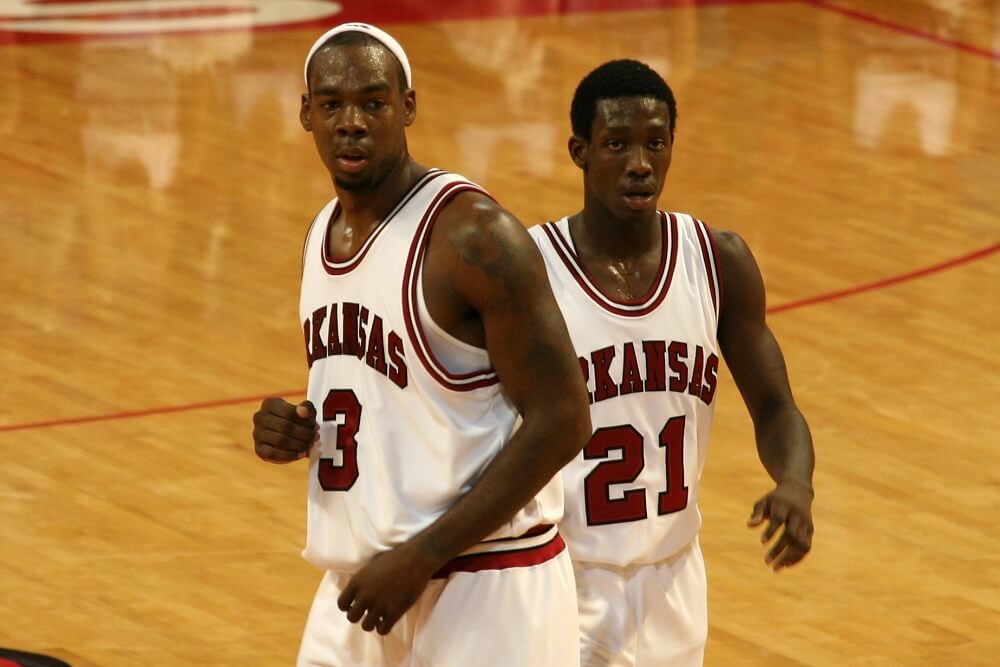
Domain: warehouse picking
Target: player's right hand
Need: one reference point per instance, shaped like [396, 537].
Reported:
[283, 432]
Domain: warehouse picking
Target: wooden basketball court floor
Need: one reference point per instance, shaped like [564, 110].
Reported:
[154, 193]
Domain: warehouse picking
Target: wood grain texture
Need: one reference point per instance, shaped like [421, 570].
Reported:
[154, 193]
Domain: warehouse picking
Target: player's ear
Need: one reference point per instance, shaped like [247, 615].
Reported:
[409, 106]
[304, 113]
[578, 151]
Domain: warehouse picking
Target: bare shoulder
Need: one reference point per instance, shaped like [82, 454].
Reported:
[482, 234]
[731, 247]
[736, 261]
[742, 284]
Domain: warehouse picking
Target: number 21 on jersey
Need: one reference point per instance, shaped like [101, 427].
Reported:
[601, 507]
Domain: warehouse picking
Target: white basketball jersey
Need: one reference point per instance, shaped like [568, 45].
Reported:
[651, 367]
[401, 436]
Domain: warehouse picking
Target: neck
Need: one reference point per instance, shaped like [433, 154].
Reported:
[598, 233]
[363, 207]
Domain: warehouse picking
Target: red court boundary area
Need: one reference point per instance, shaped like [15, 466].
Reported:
[387, 12]
[384, 12]
[822, 298]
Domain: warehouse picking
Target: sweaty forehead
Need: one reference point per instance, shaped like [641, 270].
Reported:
[354, 64]
[623, 112]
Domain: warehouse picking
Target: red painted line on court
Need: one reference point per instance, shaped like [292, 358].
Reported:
[887, 282]
[148, 412]
[903, 28]
[811, 301]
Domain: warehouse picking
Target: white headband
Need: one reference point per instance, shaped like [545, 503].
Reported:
[382, 36]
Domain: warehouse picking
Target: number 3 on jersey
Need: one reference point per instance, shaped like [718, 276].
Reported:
[341, 406]
[601, 508]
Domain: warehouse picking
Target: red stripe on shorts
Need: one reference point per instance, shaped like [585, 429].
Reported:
[502, 560]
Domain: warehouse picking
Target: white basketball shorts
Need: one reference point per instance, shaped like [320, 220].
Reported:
[644, 615]
[513, 616]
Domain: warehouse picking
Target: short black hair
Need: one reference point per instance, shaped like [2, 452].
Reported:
[356, 38]
[613, 79]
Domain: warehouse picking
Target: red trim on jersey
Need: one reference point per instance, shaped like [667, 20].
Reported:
[502, 560]
[711, 265]
[309, 233]
[718, 269]
[627, 308]
[414, 327]
[335, 268]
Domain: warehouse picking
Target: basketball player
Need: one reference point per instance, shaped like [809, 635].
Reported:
[429, 327]
[651, 300]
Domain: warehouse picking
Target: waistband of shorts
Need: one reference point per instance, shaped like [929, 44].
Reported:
[631, 568]
[538, 545]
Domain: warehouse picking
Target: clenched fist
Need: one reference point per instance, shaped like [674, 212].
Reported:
[283, 432]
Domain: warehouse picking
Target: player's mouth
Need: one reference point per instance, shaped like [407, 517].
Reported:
[351, 160]
[639, 198]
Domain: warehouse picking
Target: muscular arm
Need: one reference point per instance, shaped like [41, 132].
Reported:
[485, 283]
[494, 271]
[758, 367]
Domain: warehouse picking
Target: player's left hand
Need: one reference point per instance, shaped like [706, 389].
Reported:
[382, 591]
[789, 505]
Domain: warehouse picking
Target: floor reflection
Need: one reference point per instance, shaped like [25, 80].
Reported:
[899, 73]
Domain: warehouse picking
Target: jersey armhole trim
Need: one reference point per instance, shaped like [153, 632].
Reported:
[312, 228]
[710, 256]
[414, 328]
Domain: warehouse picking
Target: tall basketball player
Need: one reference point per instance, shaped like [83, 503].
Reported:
[651, 300]
[429, 327]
